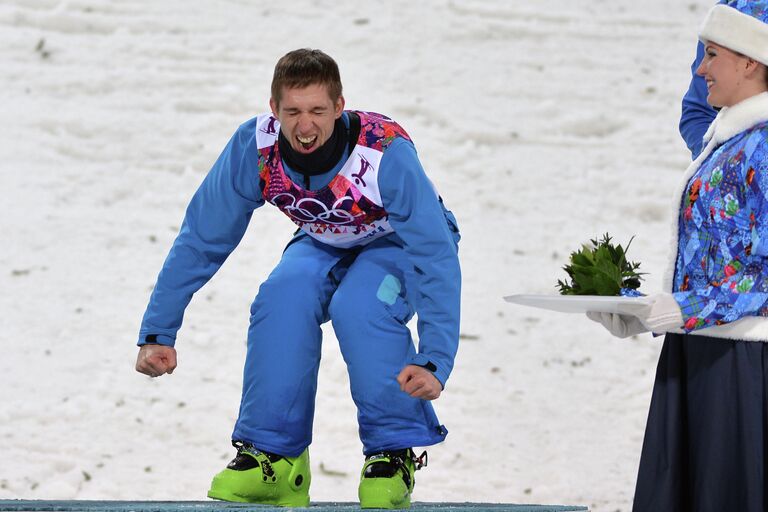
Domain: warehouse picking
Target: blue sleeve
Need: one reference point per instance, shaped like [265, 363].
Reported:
[696, 114]
[430, 237]
[214, 224]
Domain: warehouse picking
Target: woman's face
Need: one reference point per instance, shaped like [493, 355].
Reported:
[724, 71]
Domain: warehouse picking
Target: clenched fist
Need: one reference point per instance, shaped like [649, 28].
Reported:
[155, 360]
[419, 382]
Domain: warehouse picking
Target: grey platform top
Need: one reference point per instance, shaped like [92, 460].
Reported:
[218, 506]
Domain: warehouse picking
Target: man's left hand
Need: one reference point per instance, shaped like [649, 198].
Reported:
[419, 382]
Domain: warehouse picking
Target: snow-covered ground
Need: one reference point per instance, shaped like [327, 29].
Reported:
[542, 123]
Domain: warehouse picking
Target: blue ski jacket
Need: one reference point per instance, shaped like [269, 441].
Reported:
[220, 210]
[696, 114]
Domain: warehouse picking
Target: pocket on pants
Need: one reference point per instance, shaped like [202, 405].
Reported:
[390, 293]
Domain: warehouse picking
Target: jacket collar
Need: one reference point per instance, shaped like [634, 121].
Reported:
[733, 120]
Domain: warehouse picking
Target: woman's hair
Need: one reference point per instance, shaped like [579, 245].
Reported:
[304, 67]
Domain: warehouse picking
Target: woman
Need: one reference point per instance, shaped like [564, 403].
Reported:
[706, 441]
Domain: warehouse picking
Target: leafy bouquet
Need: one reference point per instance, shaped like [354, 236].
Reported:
[601, 269]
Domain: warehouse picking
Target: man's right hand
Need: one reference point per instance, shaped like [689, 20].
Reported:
[155, 360]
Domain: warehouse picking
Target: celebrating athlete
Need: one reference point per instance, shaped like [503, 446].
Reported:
[375, 245]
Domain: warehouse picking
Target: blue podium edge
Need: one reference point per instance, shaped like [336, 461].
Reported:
[221, 506]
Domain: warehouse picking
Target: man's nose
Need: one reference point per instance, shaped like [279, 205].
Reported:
[304, 123]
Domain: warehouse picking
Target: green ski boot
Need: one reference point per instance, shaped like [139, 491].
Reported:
[387, 480]
[254, 476]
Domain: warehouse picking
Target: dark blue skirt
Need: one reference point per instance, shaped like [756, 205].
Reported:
[705, 441]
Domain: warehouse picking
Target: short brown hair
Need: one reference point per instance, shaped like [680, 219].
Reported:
[304, 67]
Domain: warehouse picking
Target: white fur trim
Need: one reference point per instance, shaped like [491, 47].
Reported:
[736, 31]
[730, 121]
[748, 328]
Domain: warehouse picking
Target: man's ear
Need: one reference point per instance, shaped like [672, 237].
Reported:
[273, 106]
[339, 107]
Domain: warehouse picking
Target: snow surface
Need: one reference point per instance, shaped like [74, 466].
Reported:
[542, 123]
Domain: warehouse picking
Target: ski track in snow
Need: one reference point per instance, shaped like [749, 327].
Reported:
[542, 127]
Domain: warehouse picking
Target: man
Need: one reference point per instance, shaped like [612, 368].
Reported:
[375, 245]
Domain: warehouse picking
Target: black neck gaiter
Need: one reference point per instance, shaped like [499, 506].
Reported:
[321, 160]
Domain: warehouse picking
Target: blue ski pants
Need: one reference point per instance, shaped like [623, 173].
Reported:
[366, 295]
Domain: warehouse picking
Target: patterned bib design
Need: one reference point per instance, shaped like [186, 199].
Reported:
[349, 210]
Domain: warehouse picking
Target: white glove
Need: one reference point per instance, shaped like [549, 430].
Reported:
[661, 315]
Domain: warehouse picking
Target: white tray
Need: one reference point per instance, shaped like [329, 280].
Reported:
[581, 303]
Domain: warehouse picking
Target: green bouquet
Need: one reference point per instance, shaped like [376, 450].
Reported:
[601, 268]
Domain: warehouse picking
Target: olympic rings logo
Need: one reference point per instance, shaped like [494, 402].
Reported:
[309, 209]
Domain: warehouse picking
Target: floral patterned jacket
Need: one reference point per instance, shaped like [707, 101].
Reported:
[720, 272]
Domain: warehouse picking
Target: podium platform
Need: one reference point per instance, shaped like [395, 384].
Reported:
[220, 506]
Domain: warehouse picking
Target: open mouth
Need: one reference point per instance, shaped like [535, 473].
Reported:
[307, 143]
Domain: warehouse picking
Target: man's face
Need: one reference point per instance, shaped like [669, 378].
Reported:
[307, 116]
